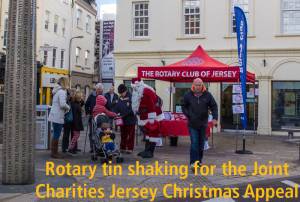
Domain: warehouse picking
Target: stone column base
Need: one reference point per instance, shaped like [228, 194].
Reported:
[262, 130]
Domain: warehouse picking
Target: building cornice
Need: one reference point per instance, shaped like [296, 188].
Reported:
[216, 52]
[86, 6]
[83, 74]
[266, 78]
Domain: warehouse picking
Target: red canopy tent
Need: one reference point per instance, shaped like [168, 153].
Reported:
[198, 64]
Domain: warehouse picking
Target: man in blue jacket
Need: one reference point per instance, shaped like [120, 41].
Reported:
[196, 104]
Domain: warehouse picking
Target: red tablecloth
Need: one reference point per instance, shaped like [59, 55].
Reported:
[179, 127]
[174, 128]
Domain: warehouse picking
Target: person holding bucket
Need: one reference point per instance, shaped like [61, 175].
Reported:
[126, 120]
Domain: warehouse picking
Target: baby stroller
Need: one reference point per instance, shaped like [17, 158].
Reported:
[98, 146]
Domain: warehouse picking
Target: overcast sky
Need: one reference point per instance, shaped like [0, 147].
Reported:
[106, 6]
[100, 2]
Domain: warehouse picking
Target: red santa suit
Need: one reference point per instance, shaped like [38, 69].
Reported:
[145, 106]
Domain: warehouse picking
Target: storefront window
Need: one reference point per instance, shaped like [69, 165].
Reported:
[180, 90]
[285, 104]
[232, 121]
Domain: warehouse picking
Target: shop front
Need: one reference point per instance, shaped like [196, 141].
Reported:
[48, 78]
[231, 121]
[285, 104]
[83, 82]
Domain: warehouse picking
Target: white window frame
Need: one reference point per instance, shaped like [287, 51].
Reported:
[54, 56]
[45, 58]
[77, 55]
[281, 20]
[144, 23]
[63, 28]
[88, 24]
[247, 13]
[5, 31]
[47, 20]
[250, 19]
[86, 57]
[55, 24]
[201, 21]
[78, 18]
[62, 58]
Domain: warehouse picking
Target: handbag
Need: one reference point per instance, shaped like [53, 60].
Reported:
[69, 116]
[119, 121]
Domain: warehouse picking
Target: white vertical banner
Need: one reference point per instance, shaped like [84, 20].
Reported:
[107, 59]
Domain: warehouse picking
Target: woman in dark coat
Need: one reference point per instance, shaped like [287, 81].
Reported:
[77, 124]
[123, 107]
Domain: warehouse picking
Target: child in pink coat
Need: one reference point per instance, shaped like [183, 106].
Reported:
[100, 107]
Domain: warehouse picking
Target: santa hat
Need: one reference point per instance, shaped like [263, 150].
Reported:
[136, 80]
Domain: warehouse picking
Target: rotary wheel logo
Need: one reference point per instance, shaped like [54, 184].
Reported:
[194, 61]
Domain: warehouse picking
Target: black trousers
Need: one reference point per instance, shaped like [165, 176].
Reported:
[90, 132]
[68, 134]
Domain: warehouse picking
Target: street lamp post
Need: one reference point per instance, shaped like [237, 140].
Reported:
[70, 49]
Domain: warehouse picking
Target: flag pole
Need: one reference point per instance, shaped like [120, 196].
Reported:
[241, 31]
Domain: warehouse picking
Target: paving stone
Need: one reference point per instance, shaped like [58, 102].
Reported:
[221, 153]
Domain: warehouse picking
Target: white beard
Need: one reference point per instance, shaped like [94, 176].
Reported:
[137, 94]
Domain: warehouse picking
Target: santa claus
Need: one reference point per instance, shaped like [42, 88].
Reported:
[146, 105]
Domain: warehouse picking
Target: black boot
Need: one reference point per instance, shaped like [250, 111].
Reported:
[147, 146]
[150, 151]
[152, 147]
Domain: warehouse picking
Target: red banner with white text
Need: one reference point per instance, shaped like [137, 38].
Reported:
[183, 74]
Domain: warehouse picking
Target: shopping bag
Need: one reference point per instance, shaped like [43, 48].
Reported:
[119, 121]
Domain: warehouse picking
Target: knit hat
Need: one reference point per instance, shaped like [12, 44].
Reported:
[122, 88]
[101, 100]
